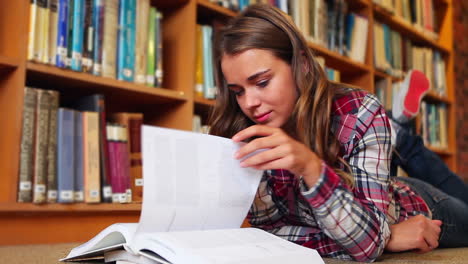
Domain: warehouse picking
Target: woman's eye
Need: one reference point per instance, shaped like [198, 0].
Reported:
[263, 83]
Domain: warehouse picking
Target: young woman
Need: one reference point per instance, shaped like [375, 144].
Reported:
[327, 181]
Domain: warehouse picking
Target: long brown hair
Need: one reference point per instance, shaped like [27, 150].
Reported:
[265, 27]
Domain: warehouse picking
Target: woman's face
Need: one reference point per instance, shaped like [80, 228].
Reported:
[263, 85]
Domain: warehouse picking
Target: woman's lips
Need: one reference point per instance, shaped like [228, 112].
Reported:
[263, 117]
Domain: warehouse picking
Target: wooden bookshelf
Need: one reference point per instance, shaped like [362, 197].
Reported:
[172, 105]
[8, 63]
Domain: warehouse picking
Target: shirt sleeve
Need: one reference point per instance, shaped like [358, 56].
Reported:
[355, 218]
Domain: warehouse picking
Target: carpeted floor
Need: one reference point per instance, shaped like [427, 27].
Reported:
[48, 254]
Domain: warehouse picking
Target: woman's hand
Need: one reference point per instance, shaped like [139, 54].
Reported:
[283, 152]
[418, 233]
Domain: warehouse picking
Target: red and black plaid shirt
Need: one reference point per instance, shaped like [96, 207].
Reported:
[336, 220]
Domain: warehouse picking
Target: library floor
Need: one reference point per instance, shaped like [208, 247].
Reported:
[47, 254]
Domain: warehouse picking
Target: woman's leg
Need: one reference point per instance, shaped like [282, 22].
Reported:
[421, 163]
[450, 210]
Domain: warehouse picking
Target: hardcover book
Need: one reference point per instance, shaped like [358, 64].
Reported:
[27, 145]
[201, 218]
[65, 155]
[52, 148]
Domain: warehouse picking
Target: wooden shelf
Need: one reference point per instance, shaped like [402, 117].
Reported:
[52, 76]
[8, 208]
[206, 8]
[440, 151]
[406, 28]
[8, 63]
[433, 96]
[337, 61]
[203, 101]
[386, 75]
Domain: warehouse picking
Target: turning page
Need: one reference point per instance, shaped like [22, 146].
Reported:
[193, 182]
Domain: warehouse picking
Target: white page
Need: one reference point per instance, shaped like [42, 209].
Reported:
[193, 182]
[227, 246]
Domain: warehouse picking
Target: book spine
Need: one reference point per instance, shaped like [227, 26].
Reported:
[65, 155]
[53, 29]
[77, 36]
[45, 32]
[124, 160]
[199, 62]
[40, 147]
[159, 72]
[126, 44]
[88, 37]
[52, 149]
[62, 34]
[98, 23]
[91, 157]
[142, 19]
[71, 15]
[113, 172]
[151, 55]
[33, 10]
[109, 49]
[136, 169]
[79, 158]
[27, 144]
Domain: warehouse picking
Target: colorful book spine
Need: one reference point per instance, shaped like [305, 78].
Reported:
[126, 41]
[40, 147]
[141, 45]
[199, 62]
[71, 15]
[62, 34]
[151, 55]
[53, 28]
[98, 24]
[33, 19]
[91, 162]
[65, 155]
[159, 72]
[109, 48]
[78, 180]
[120, 169]
[45, 33]
[88, 37]
[209, 86]
[77, 36]
[52, 148]
[27, 145]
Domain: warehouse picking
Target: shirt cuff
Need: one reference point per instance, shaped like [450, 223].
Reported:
[318, 194]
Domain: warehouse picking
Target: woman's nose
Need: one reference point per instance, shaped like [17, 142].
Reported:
[252, 99]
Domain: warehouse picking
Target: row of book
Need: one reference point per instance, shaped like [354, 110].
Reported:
[238, 5]
[396, 55]
[120, 39]
[434, 124]
[332, 74]
[72, 154]
[433, 116]
[418, 13]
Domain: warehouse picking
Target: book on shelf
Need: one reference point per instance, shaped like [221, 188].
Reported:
[62, 34]
[76, 29]
[27, 145]
[98, 26]
[141, 42]
[78, 153]
[126, 41]
[159, 72]
[202, 218]
[65, 155]
[52, 148]
[109, 39]
[91, 157]
[117, 143]
[53, 28]
[88, 36]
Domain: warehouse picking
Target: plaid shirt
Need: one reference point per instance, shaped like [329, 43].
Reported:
[336, 220]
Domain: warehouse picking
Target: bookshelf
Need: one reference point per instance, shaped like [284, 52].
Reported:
[173, 105]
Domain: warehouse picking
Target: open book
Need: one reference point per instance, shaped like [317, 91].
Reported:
[195, 198]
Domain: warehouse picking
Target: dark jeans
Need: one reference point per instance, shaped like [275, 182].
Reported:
[444, 191]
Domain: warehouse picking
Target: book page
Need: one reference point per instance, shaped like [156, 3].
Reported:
[226, 246]
[193, 182]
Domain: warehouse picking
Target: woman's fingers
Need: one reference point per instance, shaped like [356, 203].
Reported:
[252, 131]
